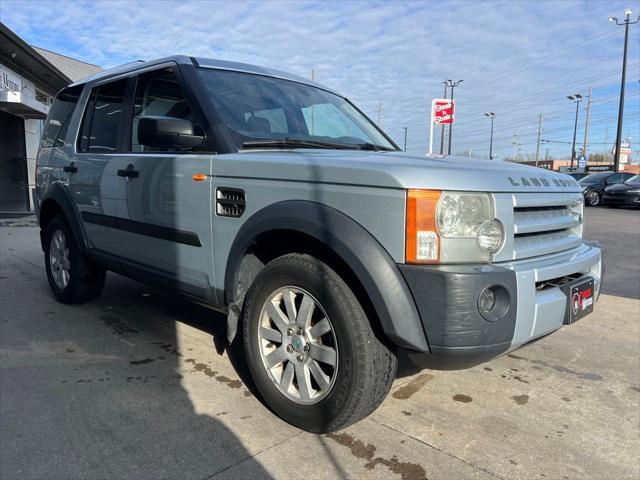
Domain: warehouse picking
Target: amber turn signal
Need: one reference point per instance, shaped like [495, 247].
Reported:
[199, 177]
[422, 237]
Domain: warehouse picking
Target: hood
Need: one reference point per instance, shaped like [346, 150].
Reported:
[392, 170]
[622, 186]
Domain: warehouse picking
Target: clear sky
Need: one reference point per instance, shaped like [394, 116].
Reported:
[517, 58]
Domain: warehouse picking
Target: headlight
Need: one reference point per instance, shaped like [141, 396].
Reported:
[461, 214]
[490, 236]
[451, 227]
[634, 191]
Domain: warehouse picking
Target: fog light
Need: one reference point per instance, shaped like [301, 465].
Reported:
[486, 301]
[494, 303]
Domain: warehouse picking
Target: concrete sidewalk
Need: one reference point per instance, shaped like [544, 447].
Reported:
[139, 384]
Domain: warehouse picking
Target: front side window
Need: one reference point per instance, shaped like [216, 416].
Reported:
[104, 119]
[157, 93]
[257, 107]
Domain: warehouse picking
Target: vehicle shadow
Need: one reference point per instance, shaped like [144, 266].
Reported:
[104, 392]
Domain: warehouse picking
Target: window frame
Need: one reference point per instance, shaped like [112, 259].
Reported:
[198, 116]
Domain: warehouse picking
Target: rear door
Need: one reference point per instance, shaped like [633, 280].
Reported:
[164, 220]
[94, 185]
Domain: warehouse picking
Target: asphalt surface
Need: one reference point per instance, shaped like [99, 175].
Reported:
[140, 384]
[618, 231]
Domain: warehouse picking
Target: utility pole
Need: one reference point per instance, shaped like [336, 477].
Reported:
[516, 147]
[577, 98]
[586, 125]
[539, 133]
[442, 127]
[405, 138]
[452, 85]
[626, 23]
[380, 114]
[546, 155]
[606, 140]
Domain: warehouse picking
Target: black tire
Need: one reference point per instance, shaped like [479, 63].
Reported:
[366, 367]
[593, 198]
[85, 278]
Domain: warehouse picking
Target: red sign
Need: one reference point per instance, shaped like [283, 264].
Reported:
[442, 111]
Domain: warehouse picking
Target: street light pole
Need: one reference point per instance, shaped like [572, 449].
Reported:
[452, 85]
[577, 98]
[626, 23]
[491, 115]
[405, 138]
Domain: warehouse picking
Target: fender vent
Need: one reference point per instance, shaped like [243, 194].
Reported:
[230, 202]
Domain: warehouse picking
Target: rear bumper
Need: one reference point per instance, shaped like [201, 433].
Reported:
[447, 300]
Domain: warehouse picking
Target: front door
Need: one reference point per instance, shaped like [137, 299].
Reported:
[14, 182]
[163, 215]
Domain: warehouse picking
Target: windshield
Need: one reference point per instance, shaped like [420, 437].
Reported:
[635, 180]
[256, 107]
[595, 177]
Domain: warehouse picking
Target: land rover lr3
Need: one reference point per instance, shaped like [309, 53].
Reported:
[276, 200]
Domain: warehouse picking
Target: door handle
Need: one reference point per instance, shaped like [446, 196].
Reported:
[129, 172]
[70, 168]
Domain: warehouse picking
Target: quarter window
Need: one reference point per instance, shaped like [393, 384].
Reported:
[104, 118]
[57, 123]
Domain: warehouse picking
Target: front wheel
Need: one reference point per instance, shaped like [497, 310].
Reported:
[593, 198]
[310, 347]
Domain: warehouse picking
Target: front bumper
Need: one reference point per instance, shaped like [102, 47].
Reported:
[621, 199]
[447, 300]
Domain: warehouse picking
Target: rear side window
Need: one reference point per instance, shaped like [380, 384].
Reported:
[158, 93]
[57, 123]
[104, 118]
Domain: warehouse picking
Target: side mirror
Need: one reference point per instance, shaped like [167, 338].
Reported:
[168, 132]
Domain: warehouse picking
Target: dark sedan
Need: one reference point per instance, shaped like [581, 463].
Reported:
[593, 185]
[627, 193]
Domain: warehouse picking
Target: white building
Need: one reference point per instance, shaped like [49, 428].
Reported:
[29, 79]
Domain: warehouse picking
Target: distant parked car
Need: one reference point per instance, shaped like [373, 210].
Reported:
[593, 185]
[627, 193]
[577, 175]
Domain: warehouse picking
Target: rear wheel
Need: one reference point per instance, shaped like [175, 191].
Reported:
[593, 198]
[310, 347]
[72, 277]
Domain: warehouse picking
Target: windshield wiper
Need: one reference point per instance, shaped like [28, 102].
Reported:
[374, 147]
[294, 142]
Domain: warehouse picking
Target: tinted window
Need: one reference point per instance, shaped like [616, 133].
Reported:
[104, 118]
[57, 123]
[635, 180]
[158, 93]
[595, 177]
[617, 178]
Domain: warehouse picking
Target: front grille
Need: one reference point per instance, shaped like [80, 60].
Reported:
[545, 223]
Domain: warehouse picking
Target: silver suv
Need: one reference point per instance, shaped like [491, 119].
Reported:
[274, 199]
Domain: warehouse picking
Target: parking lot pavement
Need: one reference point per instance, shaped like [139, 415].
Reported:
[139, 384]
[618, 230]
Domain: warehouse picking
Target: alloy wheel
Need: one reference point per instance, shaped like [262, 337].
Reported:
[59, 259]
[593, 198]
[298, 345]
